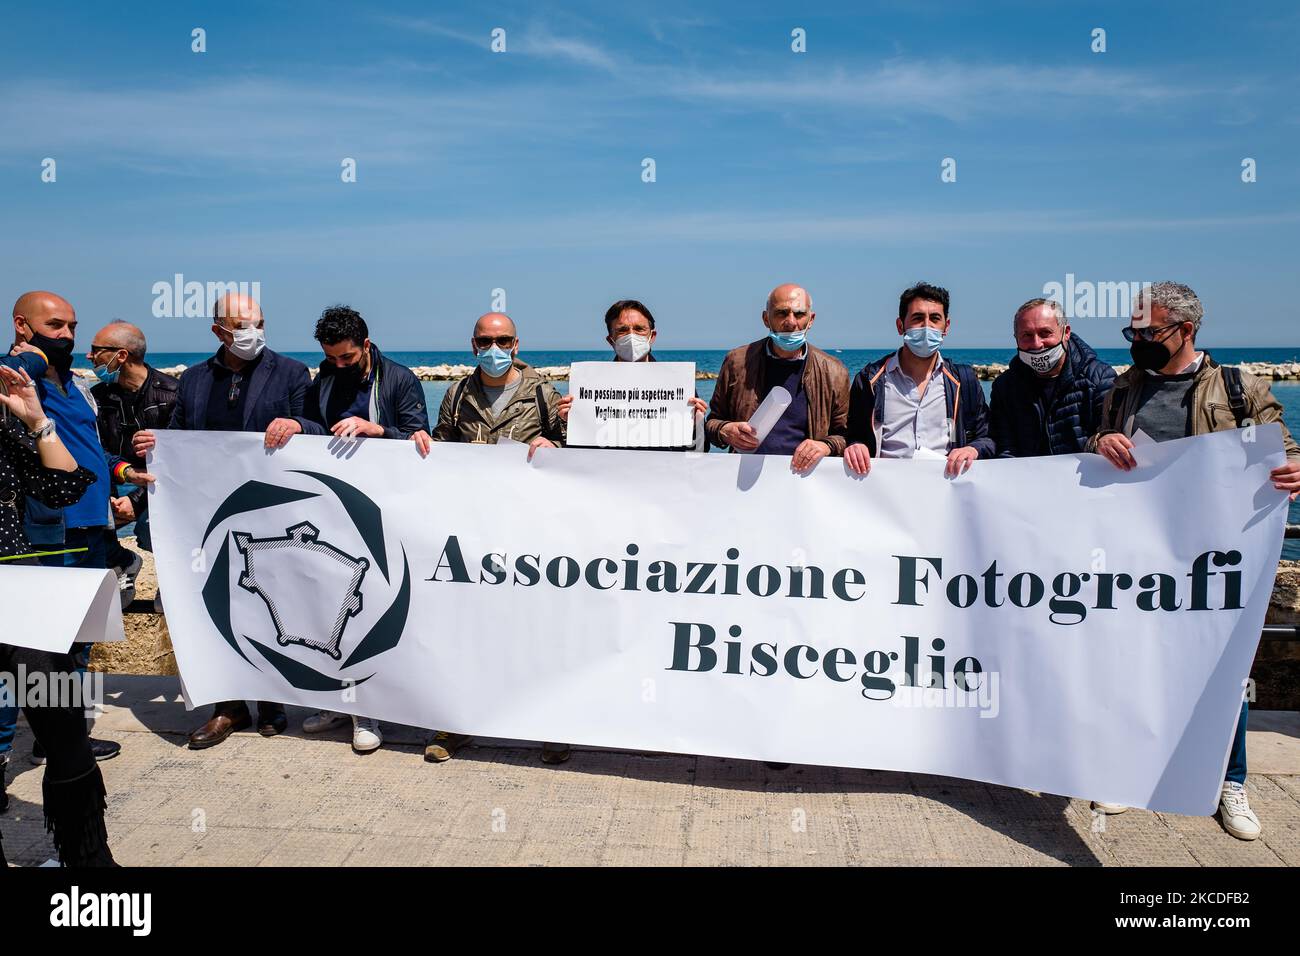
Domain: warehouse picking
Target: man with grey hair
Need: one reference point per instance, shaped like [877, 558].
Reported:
[130, 395]
[1172, 391]
[1049, 400]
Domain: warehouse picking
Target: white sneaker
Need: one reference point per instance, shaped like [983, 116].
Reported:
[126, 579]
[1108, 808]
[322, 721]
[1235, 812]
[366, 735]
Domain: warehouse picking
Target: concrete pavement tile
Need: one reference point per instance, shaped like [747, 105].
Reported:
[629, 855]
[230, 846]
[561, 823]
[1211, 845]
[311, 848]
[658, 829]
[377, 850]
[536, 853]
[151, 845]
[460, 852]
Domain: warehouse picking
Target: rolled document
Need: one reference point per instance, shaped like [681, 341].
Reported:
[769, 413]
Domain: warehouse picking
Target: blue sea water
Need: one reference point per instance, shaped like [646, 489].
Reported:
[1288, 393]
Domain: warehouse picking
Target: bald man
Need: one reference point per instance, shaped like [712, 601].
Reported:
[131, 395]
[244, 387]
[503, 398]
[45, 326]
[814, 424]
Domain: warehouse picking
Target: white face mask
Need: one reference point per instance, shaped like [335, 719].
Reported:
[632, 347]
[1043, 361]
[247, 343]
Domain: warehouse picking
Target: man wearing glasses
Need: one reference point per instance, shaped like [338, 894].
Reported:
[131, 395]
[503, 398]
[1172, 391]
[815, 423]
[244, 387]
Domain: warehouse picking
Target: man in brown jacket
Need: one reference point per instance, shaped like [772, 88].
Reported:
[816, 422]
[1172, 391]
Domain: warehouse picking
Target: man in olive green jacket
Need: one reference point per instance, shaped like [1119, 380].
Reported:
[1172, 391]
[502, 398]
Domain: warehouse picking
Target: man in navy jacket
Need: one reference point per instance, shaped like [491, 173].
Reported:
[1048, 402]
[244, 387]
[915, 399]
[358, 391]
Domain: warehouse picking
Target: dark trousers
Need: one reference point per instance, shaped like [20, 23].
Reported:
[1237, 759]
[73, 789]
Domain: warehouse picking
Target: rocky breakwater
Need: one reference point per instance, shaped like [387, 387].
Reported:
[1283, 372]
[446, 373]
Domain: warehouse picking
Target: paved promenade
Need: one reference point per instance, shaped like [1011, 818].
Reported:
[295, 800]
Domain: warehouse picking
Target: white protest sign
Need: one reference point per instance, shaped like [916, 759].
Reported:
[899, 621]
[50, 609]
[631, 404]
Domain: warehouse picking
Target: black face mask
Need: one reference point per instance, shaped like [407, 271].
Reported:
[58, 351]
[347, 375]
[1151, 356]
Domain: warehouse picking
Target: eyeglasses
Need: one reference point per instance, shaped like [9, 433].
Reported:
[1150, 333]
[232, 396]
[500, 341]
[96, 349]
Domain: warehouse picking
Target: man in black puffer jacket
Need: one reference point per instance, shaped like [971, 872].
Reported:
[1049, 401]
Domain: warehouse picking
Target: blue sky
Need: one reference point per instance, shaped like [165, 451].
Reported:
[522, 170]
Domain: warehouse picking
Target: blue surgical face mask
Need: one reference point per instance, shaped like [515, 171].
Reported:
[923, 341]
[790, 341]
[104, 375]
[494, 361]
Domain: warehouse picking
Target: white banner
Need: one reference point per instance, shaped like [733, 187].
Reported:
[1053, 623]
[50, 609]
[631, 404]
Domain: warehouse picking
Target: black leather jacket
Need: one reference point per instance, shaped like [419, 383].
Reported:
[123, 413]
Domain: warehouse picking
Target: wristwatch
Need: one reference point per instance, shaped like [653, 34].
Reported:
[44, 429]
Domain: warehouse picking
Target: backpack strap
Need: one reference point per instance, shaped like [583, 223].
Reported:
[1236, 392]
[457, 399]
[544, 413]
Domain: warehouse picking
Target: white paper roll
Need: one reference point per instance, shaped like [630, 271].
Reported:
[769, 413]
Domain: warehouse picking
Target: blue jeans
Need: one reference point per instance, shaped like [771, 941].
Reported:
[1237, 759]
[96, 556]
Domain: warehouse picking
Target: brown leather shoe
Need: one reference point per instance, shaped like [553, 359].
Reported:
[555, 753]
[221, 726]
[271, 719]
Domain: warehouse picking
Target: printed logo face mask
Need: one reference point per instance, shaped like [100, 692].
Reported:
[789, 341]
[247, 344]
[923, 341]
[1043, 360]
[494, 361]
[632, 347]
